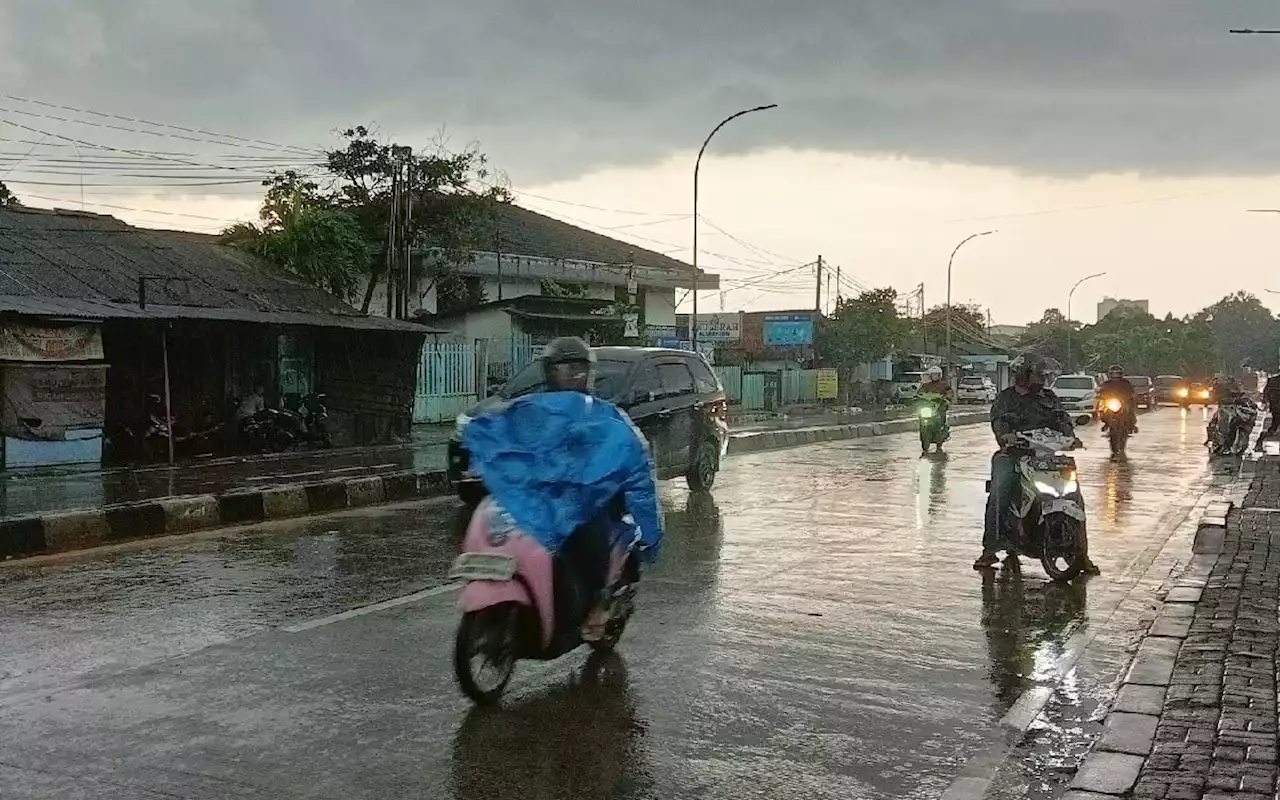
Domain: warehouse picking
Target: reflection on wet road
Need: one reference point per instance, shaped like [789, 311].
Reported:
[814, 630]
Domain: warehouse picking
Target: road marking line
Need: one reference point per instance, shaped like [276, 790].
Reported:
[363, 610]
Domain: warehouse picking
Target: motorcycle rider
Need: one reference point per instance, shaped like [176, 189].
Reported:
[1025, 406]
[935, 384]
[1271, 401]
[1117, 385]
[568, 365]
[936, 392]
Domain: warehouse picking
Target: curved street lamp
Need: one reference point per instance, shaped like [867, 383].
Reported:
[697, 165]
[951, 261]
[1071, 294]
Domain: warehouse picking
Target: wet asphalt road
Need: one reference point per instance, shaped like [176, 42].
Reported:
[814, 630]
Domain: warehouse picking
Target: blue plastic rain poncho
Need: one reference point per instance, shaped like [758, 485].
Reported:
[555, 460]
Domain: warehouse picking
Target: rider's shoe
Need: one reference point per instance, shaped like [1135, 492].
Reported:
[986, 561]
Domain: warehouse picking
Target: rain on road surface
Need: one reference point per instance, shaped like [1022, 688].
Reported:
[814, 630]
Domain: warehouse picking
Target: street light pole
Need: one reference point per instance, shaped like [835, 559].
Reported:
[697, 166]
[1071, 294]
[950, 261]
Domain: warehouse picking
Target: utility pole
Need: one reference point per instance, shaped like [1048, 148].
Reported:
[837, 285]
[497, 245]
[817, 293]
[406, 237]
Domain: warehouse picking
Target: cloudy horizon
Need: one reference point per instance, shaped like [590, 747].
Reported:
[1097, 138]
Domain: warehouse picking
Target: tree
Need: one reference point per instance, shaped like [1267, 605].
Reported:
[1052, 316]
[1245, 330]
[322, 246]
[862, 329]
[452, 203]
[7, 199]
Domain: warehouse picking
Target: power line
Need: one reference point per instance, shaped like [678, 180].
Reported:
[244, 141]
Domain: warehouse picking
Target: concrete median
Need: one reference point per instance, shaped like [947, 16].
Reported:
[774, 440]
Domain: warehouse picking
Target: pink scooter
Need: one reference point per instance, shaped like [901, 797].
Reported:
[521, 602]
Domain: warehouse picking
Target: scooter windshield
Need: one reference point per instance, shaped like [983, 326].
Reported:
[555, 460]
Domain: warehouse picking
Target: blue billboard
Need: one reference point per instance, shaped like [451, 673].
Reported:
[788, 330]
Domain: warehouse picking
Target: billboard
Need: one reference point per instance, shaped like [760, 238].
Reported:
[788, 330]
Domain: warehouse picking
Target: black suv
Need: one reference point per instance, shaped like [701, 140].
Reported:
[673, 396]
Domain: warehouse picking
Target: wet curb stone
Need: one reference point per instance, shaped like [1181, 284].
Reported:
[1195, 716]
[79, 530]
[775, 440]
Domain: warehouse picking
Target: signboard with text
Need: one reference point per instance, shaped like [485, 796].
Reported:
[20, 341]
[720, 327]
[828, 381]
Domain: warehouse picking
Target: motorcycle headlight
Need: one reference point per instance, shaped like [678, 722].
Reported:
[926, 412]
[1114, 405]
[1044, 488]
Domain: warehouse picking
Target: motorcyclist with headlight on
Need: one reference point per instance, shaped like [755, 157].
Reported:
[1118, 386]
[1027, 405]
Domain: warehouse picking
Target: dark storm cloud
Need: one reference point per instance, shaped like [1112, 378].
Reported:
[553, 88]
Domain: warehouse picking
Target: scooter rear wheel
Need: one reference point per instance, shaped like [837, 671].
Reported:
[490, 636]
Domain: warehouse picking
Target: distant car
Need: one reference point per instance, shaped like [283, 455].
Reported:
[975, 389]
[907, 385]
[1144, 391]
[673, 397]
[1078, 394]
[1167, 388]
[1193, 394]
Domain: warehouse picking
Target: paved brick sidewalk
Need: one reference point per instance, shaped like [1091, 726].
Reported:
[1217, 732]
[1207, 688]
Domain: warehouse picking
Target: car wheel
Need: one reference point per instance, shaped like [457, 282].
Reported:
[702, 473]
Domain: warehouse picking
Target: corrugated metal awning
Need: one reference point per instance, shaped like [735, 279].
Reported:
[69, 308]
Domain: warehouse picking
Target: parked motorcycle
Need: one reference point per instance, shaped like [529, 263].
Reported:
[308, 424]
[1114, 416]
[932, 414]
[522, 602]
[1049, 511]
[1230, 426]
[277, 429]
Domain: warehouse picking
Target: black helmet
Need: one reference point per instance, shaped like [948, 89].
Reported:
[1114, 369]
[1028, 368]
[568, 363]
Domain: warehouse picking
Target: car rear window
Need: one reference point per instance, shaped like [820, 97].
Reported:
[972, 383]
[1140, 382]
[1165, 381]
[611, 378]
[1073, 383]
[911, 377]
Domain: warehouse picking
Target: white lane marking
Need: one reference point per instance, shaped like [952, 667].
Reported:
[363, 610]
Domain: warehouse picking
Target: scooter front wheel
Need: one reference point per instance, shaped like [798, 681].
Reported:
[1064, 550]
[484, 652]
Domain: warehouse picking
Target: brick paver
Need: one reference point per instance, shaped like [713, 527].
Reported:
[1217, 735]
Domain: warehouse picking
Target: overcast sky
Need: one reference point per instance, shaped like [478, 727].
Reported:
[1125, 137]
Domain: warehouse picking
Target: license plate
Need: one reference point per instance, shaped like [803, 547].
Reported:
[1050, 464]
[483, 567]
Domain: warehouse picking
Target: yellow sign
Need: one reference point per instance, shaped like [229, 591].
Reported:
[828, 384]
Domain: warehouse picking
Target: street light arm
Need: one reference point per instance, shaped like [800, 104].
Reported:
[697, 167]
[1071, 293]
[716, 130]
